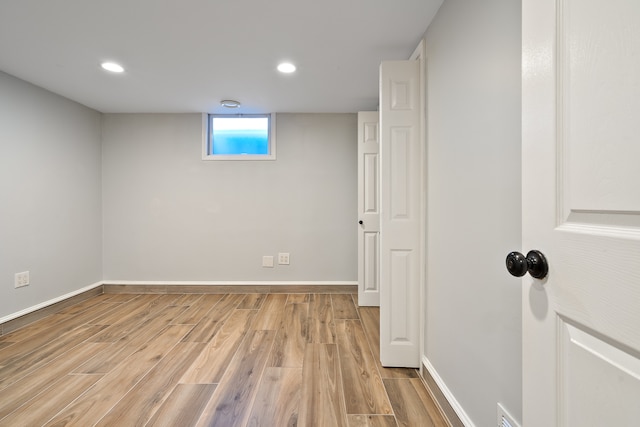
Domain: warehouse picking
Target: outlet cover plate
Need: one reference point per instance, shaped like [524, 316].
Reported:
[283, 258]
[21, 279]
[267, 261]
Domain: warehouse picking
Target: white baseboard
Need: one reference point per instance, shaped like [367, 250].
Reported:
[229, 283]
[447, 393]
[44, 304]
[48, 303]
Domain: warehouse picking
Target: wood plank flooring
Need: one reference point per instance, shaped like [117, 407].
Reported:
[208, 360]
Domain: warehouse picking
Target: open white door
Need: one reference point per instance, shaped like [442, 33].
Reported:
[368, 209]
[400, 219]
[581, 208]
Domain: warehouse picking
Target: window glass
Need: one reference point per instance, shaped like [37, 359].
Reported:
[242, 137]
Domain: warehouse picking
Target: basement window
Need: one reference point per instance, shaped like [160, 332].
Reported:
[240, 137]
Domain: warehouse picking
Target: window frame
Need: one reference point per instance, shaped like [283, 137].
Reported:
[206, 139]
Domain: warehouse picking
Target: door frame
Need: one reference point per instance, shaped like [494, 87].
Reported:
[419, 54]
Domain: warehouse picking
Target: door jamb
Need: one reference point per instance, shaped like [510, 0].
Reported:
[419, 54]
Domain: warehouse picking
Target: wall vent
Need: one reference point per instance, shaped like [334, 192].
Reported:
[505, 419]
[504, 422]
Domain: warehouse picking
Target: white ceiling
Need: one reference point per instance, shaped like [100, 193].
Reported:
[187, 55]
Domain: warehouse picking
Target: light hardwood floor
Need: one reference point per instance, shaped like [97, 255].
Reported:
[208, 360]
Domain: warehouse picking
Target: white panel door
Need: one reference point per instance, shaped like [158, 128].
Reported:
[581, 208]
[368, 209]
[400, 224]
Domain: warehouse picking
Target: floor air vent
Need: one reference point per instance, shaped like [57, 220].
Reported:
[504, 419]
[504, 422]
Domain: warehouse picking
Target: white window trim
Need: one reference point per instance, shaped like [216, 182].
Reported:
[236, 157]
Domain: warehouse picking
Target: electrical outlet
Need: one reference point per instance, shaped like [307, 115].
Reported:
[283, 258]
[267, 261]
[21, 279]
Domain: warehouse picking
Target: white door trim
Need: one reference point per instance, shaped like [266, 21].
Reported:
[420, 54]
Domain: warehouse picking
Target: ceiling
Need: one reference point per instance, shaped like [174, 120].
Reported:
[187, 55]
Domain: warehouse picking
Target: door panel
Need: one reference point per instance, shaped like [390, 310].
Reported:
[400, 139]
[371, 272]
[581, 207]
[368, 209]
[586, 360]
[400, 272]
[370, 183]
[400, 223]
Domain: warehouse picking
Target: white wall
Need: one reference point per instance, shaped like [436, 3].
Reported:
[169, 216]
[50, 204]
[472, 331]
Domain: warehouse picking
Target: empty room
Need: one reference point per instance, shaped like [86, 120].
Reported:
[361, 214]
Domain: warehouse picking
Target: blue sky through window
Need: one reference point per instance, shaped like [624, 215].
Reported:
[239, 135]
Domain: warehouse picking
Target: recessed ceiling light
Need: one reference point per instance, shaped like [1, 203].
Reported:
[112, 66]
[286, 67]
[229, 103]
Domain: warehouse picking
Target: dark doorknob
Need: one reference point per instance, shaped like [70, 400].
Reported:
[360, 222]
[535, 263]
